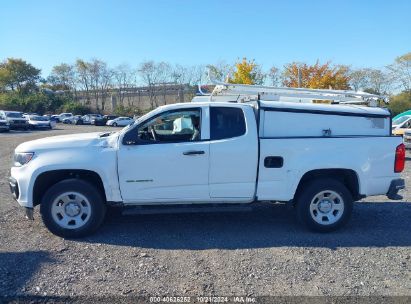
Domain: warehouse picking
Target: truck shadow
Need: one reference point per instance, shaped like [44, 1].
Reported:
[17, 268]
[371, 225]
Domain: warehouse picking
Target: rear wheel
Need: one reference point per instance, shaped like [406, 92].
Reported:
[72, 208]
[324, 205]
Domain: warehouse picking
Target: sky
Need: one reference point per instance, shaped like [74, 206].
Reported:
[362, 33]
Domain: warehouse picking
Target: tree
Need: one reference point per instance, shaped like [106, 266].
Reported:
[400, 103]
[95, 78]
[18, 75]
[358, 79]
[124, 77]
[247, 72]
[401, 71]
[275, 76]
[317, 76]
[84, 77]
[377, 81]
[63, 77]
[220, 71]
[153, 76]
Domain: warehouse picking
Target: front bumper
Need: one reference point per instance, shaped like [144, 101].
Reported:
[40, 126]
[395, 186]
[17, 126]
[14, 188]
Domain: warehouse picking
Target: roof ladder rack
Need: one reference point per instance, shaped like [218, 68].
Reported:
[251, 92]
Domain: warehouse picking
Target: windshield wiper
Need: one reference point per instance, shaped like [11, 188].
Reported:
[105, 134]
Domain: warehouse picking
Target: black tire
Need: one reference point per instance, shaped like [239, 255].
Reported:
[115, 124]
[97, 214]
[307, 194]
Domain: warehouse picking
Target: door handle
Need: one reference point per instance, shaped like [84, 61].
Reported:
[193, 152]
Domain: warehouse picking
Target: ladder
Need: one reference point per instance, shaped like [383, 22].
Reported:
[244, 93]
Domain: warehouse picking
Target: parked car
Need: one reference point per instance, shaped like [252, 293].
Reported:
[93, 118]
[75, 120]
[26, 115]
[63, 116]
[102, 121]
[4, 124]
[120, 122]
[218, 154]
[16, 120]
[40, 122]
[400, 124]
[407, 138]
[55, 118]
[52, 118]
[402, 114]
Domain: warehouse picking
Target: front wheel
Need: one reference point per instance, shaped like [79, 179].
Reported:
[115, 124]
[324, 205]
[72, 208]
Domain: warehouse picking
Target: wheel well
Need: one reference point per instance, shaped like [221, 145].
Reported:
[346, 176]
[47, 179]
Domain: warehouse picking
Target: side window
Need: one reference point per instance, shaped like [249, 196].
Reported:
[173, 126]
[226, 122]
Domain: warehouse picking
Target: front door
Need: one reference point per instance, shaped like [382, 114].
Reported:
[168, 162]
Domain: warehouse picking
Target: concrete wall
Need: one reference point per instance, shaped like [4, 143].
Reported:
[142, 98]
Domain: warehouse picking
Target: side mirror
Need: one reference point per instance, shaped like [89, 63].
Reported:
[130, 138]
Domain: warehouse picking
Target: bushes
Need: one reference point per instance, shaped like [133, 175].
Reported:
[400, 103]
[75, 108]
[40, 103]
[121, 110]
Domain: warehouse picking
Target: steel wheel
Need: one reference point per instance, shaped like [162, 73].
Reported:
[71, 210]
[327, 207]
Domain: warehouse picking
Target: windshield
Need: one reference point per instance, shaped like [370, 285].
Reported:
[400, 120]
[14, 114]
[140, 119]
[38, 118]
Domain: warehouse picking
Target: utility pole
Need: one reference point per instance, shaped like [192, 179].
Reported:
[300, 78]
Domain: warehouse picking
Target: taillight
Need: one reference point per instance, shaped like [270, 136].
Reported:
[399, 158]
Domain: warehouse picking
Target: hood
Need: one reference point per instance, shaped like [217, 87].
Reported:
[72, 141]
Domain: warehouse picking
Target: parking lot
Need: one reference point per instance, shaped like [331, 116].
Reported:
[263, 252]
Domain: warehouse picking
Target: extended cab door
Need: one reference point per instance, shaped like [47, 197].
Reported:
[233, 152]
[164, 158]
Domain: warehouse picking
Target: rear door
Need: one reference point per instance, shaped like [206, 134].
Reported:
[233, 152]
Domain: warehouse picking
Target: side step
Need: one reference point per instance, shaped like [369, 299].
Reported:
[176, 209]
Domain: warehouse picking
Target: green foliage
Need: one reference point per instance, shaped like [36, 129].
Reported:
[121, 110]
[247, 72]
[18, 75]
[75, 108]
[36, 102]
[400, 103]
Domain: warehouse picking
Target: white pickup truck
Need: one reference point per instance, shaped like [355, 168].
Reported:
[320, 158]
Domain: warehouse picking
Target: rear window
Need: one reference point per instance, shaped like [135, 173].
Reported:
[226, 122]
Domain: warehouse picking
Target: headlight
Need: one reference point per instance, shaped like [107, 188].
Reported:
[21, 159]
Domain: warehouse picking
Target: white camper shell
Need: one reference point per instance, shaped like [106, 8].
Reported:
[278, 119]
